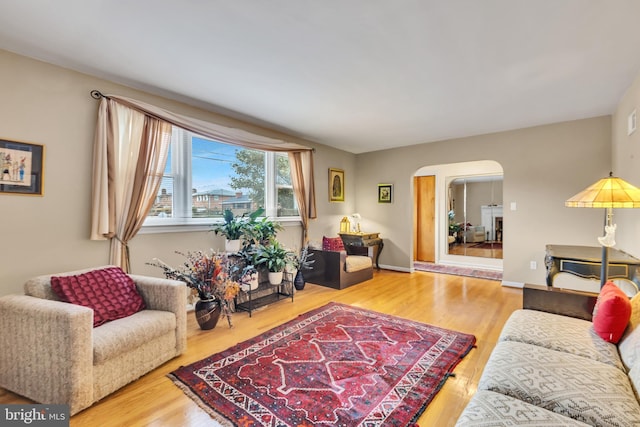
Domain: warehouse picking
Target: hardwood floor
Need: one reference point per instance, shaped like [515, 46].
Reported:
[471, 249]
[475, 306]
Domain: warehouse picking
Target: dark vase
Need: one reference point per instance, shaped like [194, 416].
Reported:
[207, 313]
[298, 282]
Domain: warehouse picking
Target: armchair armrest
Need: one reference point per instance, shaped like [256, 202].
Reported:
[166, 295]
[41, 338]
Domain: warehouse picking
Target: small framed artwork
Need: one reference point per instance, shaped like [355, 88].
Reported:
[385, 193]
[336, 185]
[21, 168]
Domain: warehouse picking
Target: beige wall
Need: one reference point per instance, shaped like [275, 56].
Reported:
[543, 166]
[626, 157]
[49, 105]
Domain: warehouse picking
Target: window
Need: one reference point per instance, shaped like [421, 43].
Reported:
[203, 178]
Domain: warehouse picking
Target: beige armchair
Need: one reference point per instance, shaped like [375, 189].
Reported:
[51, 353]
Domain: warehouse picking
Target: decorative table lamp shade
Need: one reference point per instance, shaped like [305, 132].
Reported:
[608, 193]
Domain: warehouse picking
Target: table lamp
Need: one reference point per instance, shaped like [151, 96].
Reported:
[608, 193]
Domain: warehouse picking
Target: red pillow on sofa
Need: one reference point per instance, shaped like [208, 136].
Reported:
[110, 292]
[333, 244]
[611, 313]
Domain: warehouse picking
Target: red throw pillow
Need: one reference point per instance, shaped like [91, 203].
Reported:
[110, 292]
[611, 313]
[333, 244]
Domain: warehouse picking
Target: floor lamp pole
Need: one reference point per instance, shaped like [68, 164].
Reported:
[604, 267]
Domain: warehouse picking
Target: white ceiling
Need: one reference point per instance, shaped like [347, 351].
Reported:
[361, 75]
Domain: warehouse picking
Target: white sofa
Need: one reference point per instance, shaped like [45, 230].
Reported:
[553, 370]
[51, 353]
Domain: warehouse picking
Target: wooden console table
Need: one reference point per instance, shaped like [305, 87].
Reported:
[585, 262]
[364, 239]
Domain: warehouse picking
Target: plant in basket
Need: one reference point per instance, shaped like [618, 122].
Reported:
[209, 274]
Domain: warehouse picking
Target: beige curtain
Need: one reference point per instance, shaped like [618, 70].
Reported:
[130, 153]
[214, 131]
[301, 164]
[128, 127]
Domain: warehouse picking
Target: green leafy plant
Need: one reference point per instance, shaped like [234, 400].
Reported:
[274, 256]
[302, 261]
[260, 231]
[233, 228]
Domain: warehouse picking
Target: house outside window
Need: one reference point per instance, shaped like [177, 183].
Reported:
[203, 178]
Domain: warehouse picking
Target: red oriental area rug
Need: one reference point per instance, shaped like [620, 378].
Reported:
[337, 365]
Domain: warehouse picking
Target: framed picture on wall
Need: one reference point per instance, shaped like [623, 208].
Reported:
[336, 185]
[385, 193]
[21, 168]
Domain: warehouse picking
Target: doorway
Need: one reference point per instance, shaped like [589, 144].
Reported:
[424, 218]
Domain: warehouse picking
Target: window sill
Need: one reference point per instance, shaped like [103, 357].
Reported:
[187, 225]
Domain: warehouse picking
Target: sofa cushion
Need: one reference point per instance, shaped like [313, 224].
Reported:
[586, 390]
[333, 244]
[357, 263]
[629, 345]
[560, 333]
[122, 335]
[490, 409]
[110, 292]
[611, 313]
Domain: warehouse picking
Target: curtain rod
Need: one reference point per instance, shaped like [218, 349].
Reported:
[96, 94]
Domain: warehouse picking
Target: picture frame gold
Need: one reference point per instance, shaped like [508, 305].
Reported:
[336, 185]
[385, 193]
[21, 168]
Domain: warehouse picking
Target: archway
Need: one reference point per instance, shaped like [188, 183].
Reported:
[467, 172]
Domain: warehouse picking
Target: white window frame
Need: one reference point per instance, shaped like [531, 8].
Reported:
[181, 220]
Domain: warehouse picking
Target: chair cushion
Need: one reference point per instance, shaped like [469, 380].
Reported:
[586, 390]
[611, 313]
[357, 263]
[333, 244]
[110, 292]
[122, 335]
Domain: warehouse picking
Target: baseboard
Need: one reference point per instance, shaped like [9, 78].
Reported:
[396, 268]
[508, 284]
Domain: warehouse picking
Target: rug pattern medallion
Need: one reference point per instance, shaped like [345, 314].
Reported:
[334, 366]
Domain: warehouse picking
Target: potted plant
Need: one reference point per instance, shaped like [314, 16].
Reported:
[260, 232]
[233, 229]
[302, 262]
[208, 274]
[275, 258]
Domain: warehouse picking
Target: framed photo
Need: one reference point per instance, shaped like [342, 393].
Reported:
[336, 185]
[21, 168]
[385, 193]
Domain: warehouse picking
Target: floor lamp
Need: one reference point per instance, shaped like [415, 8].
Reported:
[608, 193]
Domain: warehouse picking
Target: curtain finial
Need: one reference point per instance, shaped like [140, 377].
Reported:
[96, 94]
